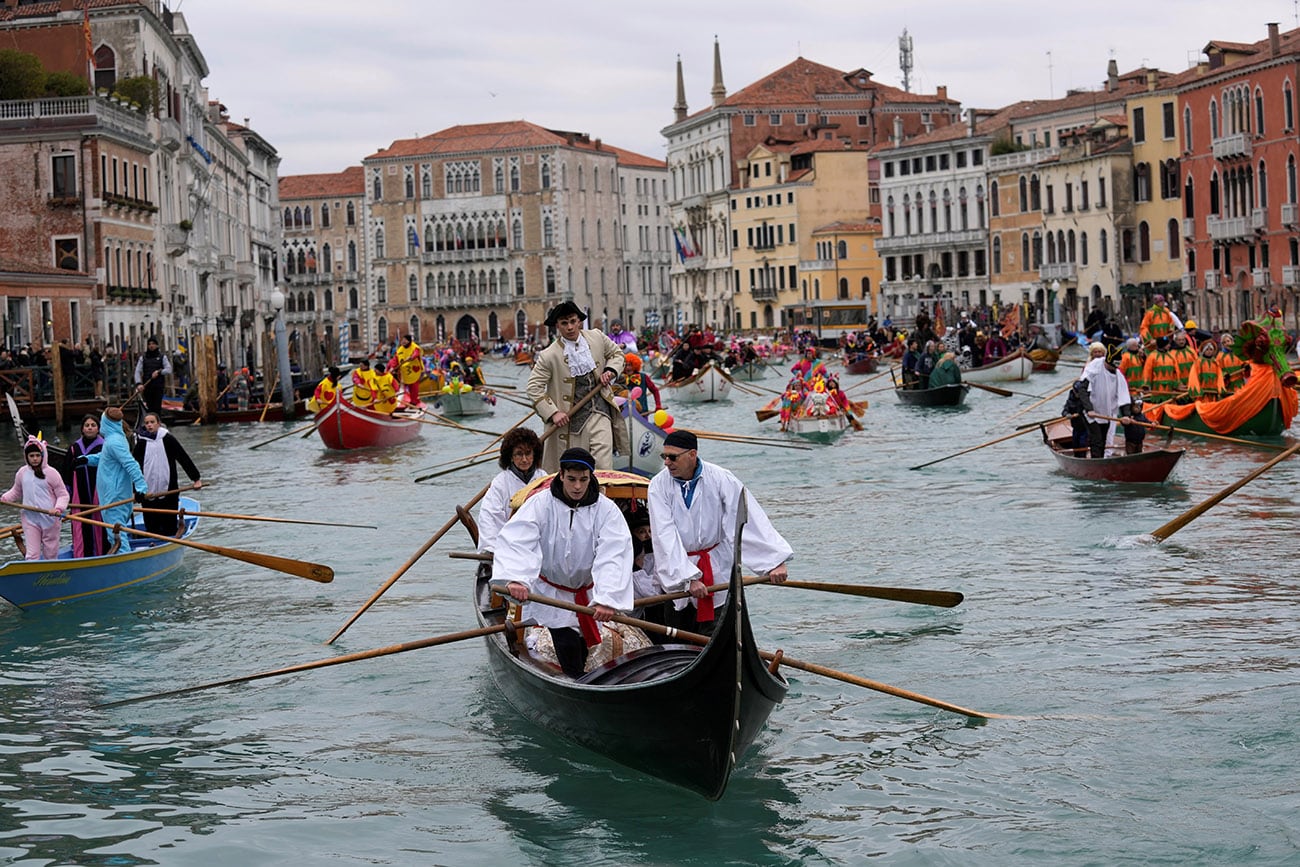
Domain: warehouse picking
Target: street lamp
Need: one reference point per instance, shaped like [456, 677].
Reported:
[1056, 300]
[282, 353]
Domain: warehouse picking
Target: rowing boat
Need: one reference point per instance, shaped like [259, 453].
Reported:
[1010, 368]
[1263, 407]
[678, 712]
[1149, 467]
[464, 404]
[709, 383]
[945, 395]
[33, 583]
[751, 371]
[863, 364]
[343, 425]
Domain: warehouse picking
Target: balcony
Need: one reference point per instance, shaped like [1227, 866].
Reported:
[764, 247]
[1021, 159]
[1058, 271]
[1261, 278]
[1291, 214]
[962, 238]
[1189, 227]
[228, 316]
[763, 293]
[176, 239]
[1189, 284]
[1212, 283]
[816, 264]
[1231, 147]
[1259, 220]
[1291, 276]
[246, 270]
[484, 254]
[1225, 229]
[169, 134]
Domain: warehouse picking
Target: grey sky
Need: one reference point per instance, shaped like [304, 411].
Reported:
[332, 81]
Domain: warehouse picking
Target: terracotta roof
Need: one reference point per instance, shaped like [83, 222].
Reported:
[41, 10]
[1223, 45]
[801, 81]
[506, 135]
[1259, 52]
[13, 266]
[634, 160]
[349, 182]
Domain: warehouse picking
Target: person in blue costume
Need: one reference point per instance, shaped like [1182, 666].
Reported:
[117, 477]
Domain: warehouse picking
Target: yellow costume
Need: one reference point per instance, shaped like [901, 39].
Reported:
[363, 387]
[385, 388]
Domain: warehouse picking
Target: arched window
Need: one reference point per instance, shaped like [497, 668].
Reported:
[997, 254]
[379, 242]
[430, 286]
[1172, 240]
[352, 298]
[1024, 251]
[297, 217]
[1262, 180]
[413, 328]
[994, 207]
[442, 285]
[1189, 199]
[324, 216]
[410, 186]
[351, 215]
[306, 216]
[1035, 194]
[352, 255]
[842, 251]
[1103, 247]
[1070, 249]
[1290, 180]
[302, 261]
[517, 234]
[381, 291]
[412, 288]
[1259, 111]
[1083, 248]
[311, 300]
[1024, 194]
[550, 280]
[377, 187]
[105, 68]
[288, 218]
[1187, 129]
[328, 298]
[426, 183]
[519, 281]
[548, 232]
[514, 177]
[546, 173]
[290, 303]
[382, 327]
[1214, 120]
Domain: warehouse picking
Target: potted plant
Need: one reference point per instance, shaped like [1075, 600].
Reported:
[185, 225]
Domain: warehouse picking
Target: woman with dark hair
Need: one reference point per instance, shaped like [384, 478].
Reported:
[157, 452]
[521, 459]
[87, 539]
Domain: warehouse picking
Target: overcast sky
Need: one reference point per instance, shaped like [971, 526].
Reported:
[330, 82]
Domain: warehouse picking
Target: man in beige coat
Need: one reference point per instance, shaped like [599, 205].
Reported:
[579, 360]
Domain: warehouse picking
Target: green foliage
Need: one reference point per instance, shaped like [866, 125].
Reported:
[1005, 146]
[21, 75]
[65, 84]
[139, 89]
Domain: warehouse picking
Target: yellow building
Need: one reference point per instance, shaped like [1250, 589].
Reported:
[797, 207]
[1155, 244]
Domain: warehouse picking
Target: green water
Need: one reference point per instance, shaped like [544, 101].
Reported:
[1157, 688]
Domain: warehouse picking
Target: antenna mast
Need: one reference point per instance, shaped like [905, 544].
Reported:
[905, 59]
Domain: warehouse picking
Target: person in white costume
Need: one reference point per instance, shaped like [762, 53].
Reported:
[693, 507]
[521, 458]
[571, 543]
[1108, 398]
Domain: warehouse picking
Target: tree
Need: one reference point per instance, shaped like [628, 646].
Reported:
[65, 84]
[139, 89]
[21, 75]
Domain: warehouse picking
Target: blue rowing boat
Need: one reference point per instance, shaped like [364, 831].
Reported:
[33, 583]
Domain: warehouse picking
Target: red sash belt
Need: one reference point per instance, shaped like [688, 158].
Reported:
[586, 623]
[704, 605]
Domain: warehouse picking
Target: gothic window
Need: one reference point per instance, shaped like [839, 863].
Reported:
[351, 215]
[412, 288]
[324, 216]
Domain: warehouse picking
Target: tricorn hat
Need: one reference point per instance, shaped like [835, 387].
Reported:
[563, 309]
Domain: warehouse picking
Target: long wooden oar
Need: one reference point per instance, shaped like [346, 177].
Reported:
[474, 463]
[91, 508]
[442, 531]
[1200, 509]
[441, 421]
[937, 598]
[992, 389]
[266, 396]
[1057, 393]
[977, 448]
[1274, 447]
[781, 658]
[297, 568]
[485, 450]
[858, 385]
[319, 663]
[349, 525]
[309, 428]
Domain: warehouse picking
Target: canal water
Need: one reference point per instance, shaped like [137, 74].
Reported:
[1154, 689]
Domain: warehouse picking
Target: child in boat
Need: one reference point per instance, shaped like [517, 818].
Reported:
[37, 486]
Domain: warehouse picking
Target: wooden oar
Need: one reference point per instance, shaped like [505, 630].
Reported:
[992, 389]
[1034, 424]
[297, 568]
[319, 663]
[439, 421]
[90, 508]
[450, 470]
[781, 658]
[937, 598]
[1195, 433]
[486, 450]
[266, 396]
[310, 428]
[442, 531]
[752, 441]
[217, 402]
[1200, 509]
[977, 448]
[145, 509]
[1057, 393]
[871, 378]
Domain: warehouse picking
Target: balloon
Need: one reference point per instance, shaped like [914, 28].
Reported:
[668, 420]
[619, 400]
[668, 430]
[636, 392]
[660, 417]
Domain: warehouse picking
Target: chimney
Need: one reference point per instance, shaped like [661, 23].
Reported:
[596, 144]
[972, 118]
[898, 130]
[1112, 76]
[1152, 79]
[1274, 41]
[942, 91]
[719, 91]
[679, 108]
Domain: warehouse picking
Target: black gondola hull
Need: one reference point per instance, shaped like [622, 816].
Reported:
[944, 395]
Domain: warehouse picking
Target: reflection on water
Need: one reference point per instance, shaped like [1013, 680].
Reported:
[1158, 683]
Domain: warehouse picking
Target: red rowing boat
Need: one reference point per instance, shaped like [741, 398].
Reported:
[342, 425]
[1150, 467]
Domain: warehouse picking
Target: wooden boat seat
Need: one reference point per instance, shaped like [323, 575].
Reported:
[644, 664]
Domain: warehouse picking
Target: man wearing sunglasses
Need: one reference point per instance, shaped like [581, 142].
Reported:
[693, 506]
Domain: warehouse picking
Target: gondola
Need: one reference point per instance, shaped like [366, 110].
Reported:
[342, 425]
[709, 383]
[864, 364]
[1044, 359]
[1263, 407]
[678, 712]
[751, 371]
[464, 404]
[1010, 368]
[34, 583]
[1149, 467]
[944, 395]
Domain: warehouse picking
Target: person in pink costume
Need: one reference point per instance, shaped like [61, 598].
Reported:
[36, 485]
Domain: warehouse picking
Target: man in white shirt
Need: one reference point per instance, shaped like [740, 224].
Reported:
[693, 506]
[569, 543]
